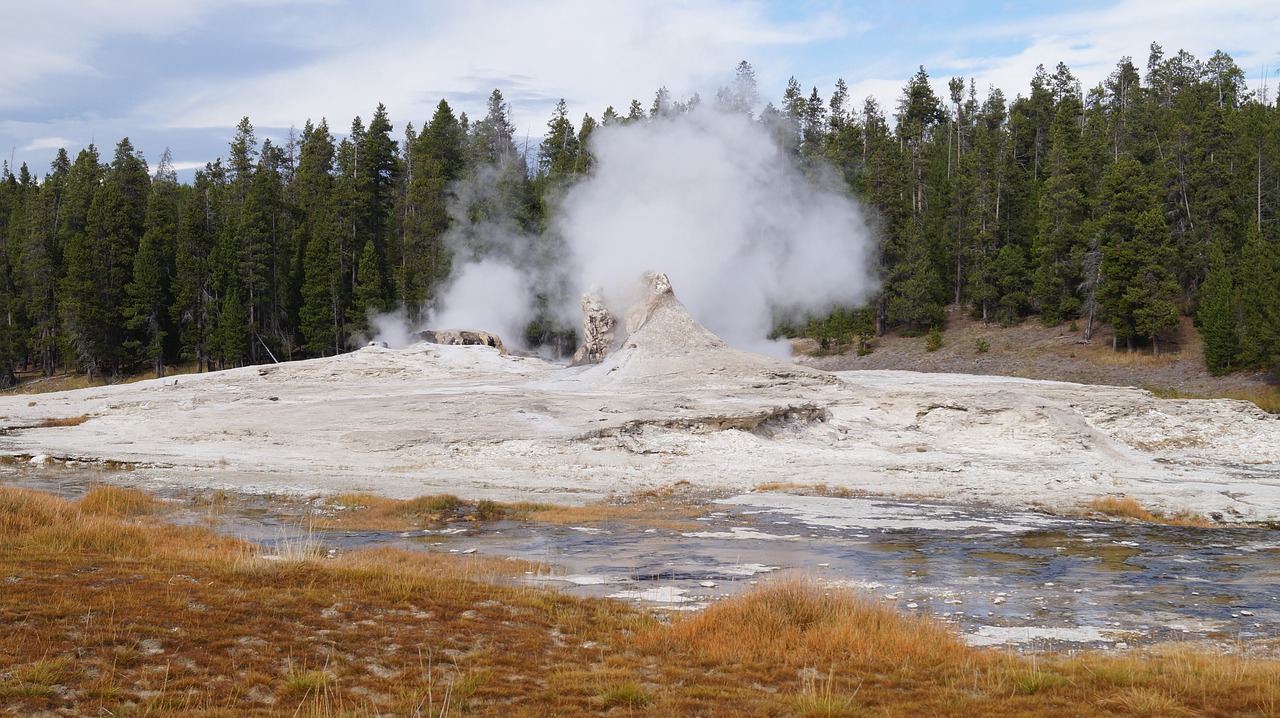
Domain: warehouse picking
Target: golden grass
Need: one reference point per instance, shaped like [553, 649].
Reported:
[1267, 399]
[663, 508]
[378, 513]
[118, 501]
[819, 489]
[1126, 507]
[124, 615]
[64, 421]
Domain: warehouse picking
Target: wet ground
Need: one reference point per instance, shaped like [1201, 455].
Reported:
[1001, 577]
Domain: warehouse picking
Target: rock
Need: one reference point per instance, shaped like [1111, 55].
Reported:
[599, 338]
[598, 322]
[657, 288]
[462, 337]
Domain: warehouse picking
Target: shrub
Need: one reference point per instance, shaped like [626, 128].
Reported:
[933, 342]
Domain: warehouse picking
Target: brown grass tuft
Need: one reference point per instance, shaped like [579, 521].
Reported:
[118, 501]
[64, 421]
[790, 619]
[1126, 507]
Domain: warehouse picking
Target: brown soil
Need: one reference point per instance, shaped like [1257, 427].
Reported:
[1033, 351]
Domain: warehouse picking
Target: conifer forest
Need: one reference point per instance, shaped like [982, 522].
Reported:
[1151, 197]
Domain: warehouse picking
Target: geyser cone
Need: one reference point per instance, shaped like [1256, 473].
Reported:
[668, 348]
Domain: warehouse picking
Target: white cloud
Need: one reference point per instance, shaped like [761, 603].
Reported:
[593, 54]
[1091, 43]
[47, 143]
[281, 62]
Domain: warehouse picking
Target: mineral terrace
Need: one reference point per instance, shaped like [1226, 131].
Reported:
[673, 403]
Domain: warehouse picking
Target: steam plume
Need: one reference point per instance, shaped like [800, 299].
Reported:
[706, 197]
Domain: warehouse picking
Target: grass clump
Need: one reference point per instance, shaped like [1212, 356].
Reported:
[369, 512]
[1126, 507]
[304, 683]
[625, 695]
[54, 422]
[118, 501]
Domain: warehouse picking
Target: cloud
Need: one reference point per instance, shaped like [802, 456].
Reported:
[46, 143]
[81, 69]
[593, 54]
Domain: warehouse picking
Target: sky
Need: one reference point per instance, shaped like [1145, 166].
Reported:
[181, 75]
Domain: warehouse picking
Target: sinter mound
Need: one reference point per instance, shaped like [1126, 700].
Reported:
[667, 346]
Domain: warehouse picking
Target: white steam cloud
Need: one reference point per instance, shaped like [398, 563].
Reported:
[488, 295]
[711, 200]
[707, 198]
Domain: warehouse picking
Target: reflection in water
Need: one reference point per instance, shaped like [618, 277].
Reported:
[998, 575]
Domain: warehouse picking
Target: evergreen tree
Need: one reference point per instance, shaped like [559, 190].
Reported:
[558, 161]
[100, 265]
[1137, 289]
[148, 294]
[233, 333]
[321, 316]
[1217, 315]
[1259, 302]
[366, 299]
[193, 310]
[380, 165]
[743, 95]
[16, 193]
[438, 159]
[42, 263]
[1064, 214]
[262, 257]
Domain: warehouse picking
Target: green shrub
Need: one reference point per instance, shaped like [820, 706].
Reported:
[933, 342]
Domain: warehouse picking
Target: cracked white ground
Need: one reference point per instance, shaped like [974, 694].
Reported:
[673, 404]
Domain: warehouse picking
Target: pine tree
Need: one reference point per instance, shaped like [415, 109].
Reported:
[16, 193]
[193, 308]
[42, 264]
[1217, 315]
[233, 333]
[321, 315]
[1259, 303]
[148, 293]
[439, 159]
[558, 160]
[262, 256]
[1064, 214]
[1138, 288]
[366, 299]
[100, 265]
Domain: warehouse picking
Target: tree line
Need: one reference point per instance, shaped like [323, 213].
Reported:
[1146, 198]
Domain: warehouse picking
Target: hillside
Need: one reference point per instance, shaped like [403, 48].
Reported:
[1032, 351]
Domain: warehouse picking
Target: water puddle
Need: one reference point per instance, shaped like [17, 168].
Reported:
[1001, 577]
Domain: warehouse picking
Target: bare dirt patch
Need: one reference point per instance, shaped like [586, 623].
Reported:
[1033, 351]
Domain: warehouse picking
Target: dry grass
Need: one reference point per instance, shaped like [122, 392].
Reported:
[116, 613]
[1126, 507]
[1265, 398]
[118, 501]
[816, 489]
[665, 508]
[66, 421]
[377, 513]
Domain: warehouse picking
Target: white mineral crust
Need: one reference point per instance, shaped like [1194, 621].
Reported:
[673, 403]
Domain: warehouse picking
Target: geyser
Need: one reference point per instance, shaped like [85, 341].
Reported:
[708, 198]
